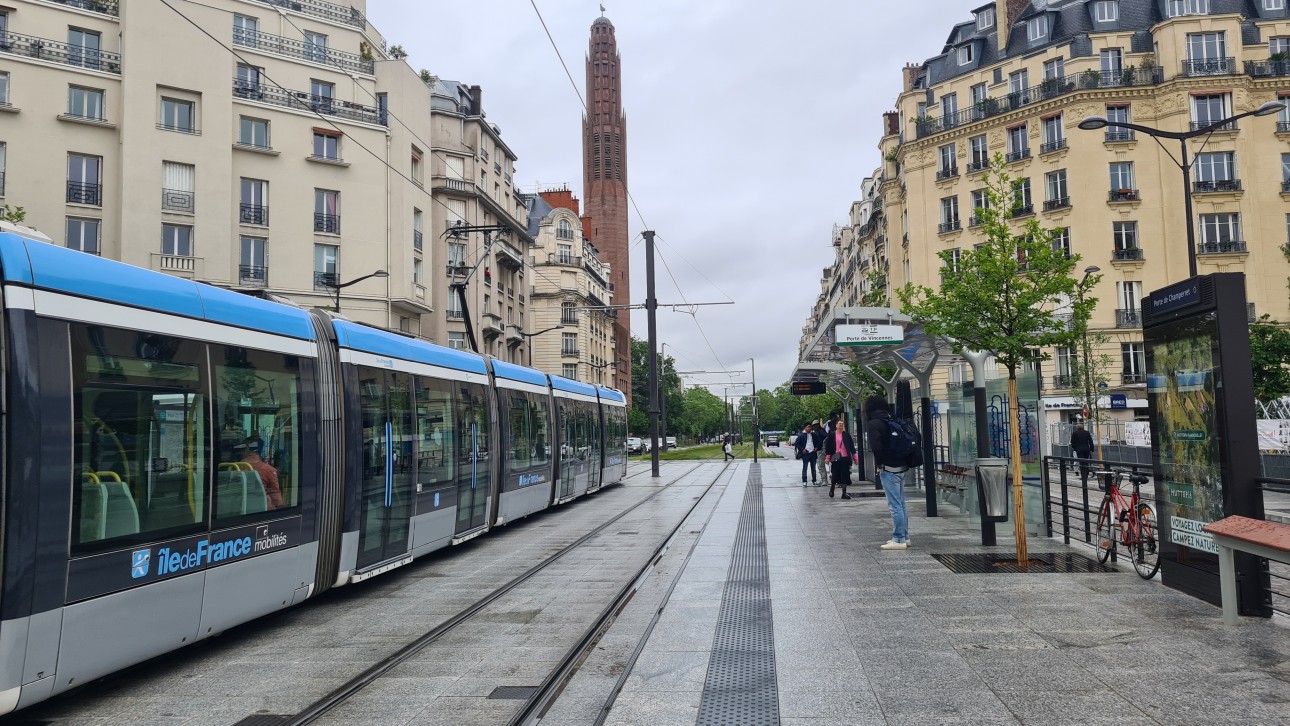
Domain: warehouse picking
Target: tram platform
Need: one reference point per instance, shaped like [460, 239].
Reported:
[770, 604]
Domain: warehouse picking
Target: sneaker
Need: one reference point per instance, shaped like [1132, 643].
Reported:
[803, 483]
[895, 546]
[816, 484]
[907, 542]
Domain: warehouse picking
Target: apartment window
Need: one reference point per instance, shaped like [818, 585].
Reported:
[326, 211]
[253, 132]
[457, 254]
[177, 240]
[1062, 240]
[315, 47]
[254, 208]
[1066, 360]
[3, 149]
[979, 146]
[1176, 8]
[321, 94]
[1274, 4]
[1106, 11]
[1037, 28]
[417, 278]
[83, 234]
[177, 115]
[1220, 228]
[1018, 146]
[569, 343]
[569, 370]
[1133, 361]
[1125, 235]
[245, 30]
[247, 82]
[1055, 68]
[965, 55]
[84, 102]
[1209, 109]
[417, 165]
[4, 89]
[1130, 293]
[1022, 200]
[1216, 166]
[1055, 184]
[949, 105]
[985, 19]
[84, 180]
[1285, 166]
[956, 255]
[979, 200]
[178, 182]
[457, 341]
[949, 214]
[949, 163]
[326, 146]
[564, 254]
[978, 93]
[564, 230]
[1278, 44]
[417, 233]
[83, 47]
[1122, 175]
[1112, 65]
[327, 268]
[255, 260]
[1019, 82]
[1053, 133]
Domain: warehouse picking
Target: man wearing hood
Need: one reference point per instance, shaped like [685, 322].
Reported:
[891, 471]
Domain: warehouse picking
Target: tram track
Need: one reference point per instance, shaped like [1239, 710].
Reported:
[347, 691]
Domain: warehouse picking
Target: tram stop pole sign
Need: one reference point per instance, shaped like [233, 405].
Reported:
[850, 335]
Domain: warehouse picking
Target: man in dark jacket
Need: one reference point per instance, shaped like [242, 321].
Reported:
[1082, 444]
[817, 434]
[891, 471]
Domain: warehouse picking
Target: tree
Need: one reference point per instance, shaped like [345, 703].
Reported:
[1270, 358]
[396, 51]
[1003, 297]
[16, 215]
[1090, 371]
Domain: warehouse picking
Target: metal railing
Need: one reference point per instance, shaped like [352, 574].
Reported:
[1, 183]
[105, 7]
[1059, 203]
[950, 226]
[327, 223]
[456, 268]
[1220, 248]
[1267, 68]
[456, 315]
[1075, 517]
[305, 101]
[253, 214]
[1018, 155]
[1285, 186]
[569, 352]
[975, 166]
[1283, 127]
[82, 193]
[57, 52]
[1128, 318]
[319, 9]
[253, 275]
[417, 239]
[1217, 185]
[1198, 125]
[1123, 195]
[326, 280]
[302, 50]
[1023, 210]
[1129, 379]
[949, 173]
[1119, 135]
[1208, 67]
[1064, 380]
[1130, 254]
[175, 200]
[1049, 147]
[975, 220]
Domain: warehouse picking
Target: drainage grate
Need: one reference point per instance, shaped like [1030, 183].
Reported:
[629, 533]
[741, 687]
[1040, 564]
[264, 719]
[514, 693]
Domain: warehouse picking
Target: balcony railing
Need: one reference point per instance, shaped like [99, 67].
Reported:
[180, 264]
[327, 223]
[975, 220]
[1059, 203]
[305, 101]
[975, 166]
[1267, 68]
[1128, 318]
[1023, 210]
[1049, 88]
[1209, 67]
[1220, 248]
[569, 352]
[1130, 379]
[1198, 125]
[54, 51]
[1123, 195]
[456, 315]
[253, 275]
[1130, 255]
[949, 173]
[82, 193]
[1064, 380]
[319, 9]
[456, 268]
[1017, 155]
[175, 200]
[1285, 185]
[105, 7]
[1283, 127]
[302, 50]
[1216, 185]
[253, 214]
[417, 239]
[950, 226]
[1049, 147]
[1119, 135]
[326, 280]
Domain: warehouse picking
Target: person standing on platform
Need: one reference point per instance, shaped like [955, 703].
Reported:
[891, 471]
[840, 452]
[728, 450]
[1082, 444]
[807, 452]
[817, 433]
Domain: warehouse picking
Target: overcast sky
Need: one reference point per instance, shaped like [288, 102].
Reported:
[751, 124]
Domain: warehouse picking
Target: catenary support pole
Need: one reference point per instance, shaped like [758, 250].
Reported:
[651, 310]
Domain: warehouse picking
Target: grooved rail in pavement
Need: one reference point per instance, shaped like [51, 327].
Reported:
[741, 686]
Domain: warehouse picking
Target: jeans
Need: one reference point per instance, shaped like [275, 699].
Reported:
[808, 463]
[824, 467]
[894, 486]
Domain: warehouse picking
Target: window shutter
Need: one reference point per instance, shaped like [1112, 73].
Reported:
[178, 177]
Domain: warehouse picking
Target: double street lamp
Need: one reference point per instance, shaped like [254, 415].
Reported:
[534, 334]
[1093, 123]
[337, 286]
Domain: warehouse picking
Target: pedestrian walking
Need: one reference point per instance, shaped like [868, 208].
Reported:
[840, 452]
[807, 452]
[891, 469]
[818, 435]
[1082, 444]
[728, 450]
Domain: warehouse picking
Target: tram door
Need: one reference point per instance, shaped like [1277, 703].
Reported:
[568, 448]
[593, 448]
[472, 454]
[387, 492]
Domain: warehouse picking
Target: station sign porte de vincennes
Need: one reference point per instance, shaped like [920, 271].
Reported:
[865, 334]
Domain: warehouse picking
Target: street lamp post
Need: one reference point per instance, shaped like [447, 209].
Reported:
[557, 326]
[662, 396]
[336, 287]
[1090, 404]
[1093, 123]
[756, 425]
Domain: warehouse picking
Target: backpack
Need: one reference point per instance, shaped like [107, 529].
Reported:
[904, 443]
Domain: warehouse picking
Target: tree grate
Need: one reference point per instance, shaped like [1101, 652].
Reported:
[513, 693]
[1042, 563]
[741, 686]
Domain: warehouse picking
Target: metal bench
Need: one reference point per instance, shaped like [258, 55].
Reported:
[1270, 540]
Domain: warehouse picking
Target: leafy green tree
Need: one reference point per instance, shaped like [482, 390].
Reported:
[1003, 297]
[15, 215]
[1270, 356]
[1090, 372]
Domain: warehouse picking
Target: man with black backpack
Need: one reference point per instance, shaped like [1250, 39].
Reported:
[895, 447]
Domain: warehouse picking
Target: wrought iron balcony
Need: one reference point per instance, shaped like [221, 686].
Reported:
[975, 220]
[417, 239]
[1064, 380]
[305, 101]
[1128, 318]
[253, 275]
[302, 50]
[1130, 379]
[1198, 125]
[326, 280]
[1123, 195]
[456, 268]
[1049, 147]
[1267, 68]
[1132, 254]
[950, 226]
[456, 315]
[569, 352]
[949, 173]
[1059, 203]
[1221, 248]
[327, 223]
[1216, 185]
[82, 193]
[975, 166]
[1023, 210]
[1285, 185]
[1119, 135]
[57, 52]
[253, 214]
[1017, 155]
[319, 9]
[1209, 67]
[105, 7]
[1283, 127]
[175, 200]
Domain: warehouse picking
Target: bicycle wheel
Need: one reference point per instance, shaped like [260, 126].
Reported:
[1105, 541]
[1145, 550]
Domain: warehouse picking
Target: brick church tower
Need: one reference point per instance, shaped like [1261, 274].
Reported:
[604, 182]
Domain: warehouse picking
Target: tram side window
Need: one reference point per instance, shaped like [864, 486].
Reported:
[528, 424]
[257, 409]
[539, 433]
[141, 438]
[435, 453]
[472, 425]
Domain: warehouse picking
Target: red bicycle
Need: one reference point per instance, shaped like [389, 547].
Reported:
[1129, 521]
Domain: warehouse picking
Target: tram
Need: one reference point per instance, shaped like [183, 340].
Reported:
[179, 459]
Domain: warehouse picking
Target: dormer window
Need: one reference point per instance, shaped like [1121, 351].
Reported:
[1267, 5]
[1106, 11]
[985, 19]
[1037, 28]
[1188, 7]
[966, 55]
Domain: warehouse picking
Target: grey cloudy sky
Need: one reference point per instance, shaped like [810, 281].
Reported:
[751, 124]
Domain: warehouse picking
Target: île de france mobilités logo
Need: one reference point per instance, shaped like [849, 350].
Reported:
[139, 563]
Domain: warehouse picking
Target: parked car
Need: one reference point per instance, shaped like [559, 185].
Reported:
[671, 442]
[634, 445]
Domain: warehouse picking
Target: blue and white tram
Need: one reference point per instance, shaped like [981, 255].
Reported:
[179, 459]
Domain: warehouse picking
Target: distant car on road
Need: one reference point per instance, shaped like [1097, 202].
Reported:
[772, 440]
[671, 442]
[634, 445]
